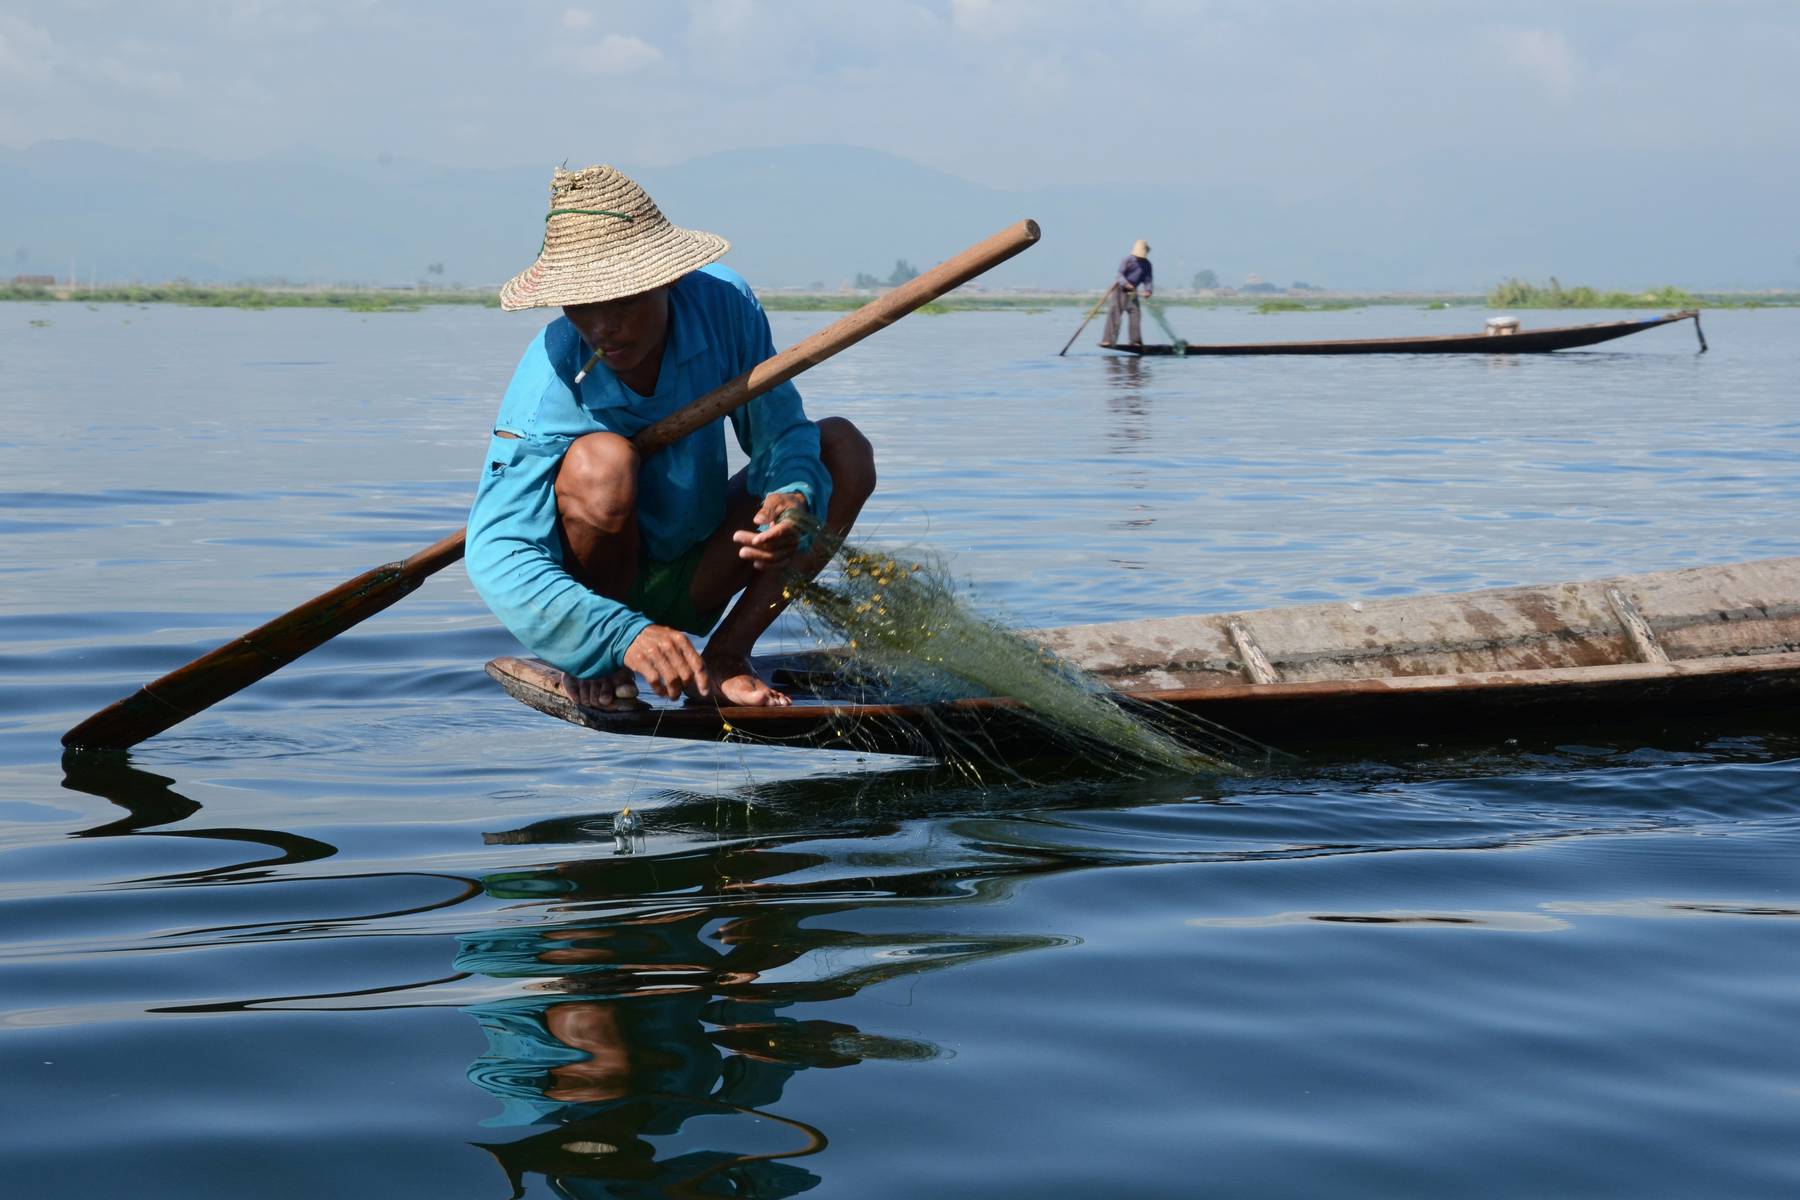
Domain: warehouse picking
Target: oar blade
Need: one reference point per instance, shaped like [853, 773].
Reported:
[242, 661]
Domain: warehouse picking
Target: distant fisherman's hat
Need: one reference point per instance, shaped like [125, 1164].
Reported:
[605, 239]
[1141, 248]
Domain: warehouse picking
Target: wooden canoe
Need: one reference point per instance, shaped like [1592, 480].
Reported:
[1525, 341]
[1716, 640]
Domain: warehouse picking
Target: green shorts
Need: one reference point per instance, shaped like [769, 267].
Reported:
[664, 592]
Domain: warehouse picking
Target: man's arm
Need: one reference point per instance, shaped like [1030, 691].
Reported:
[512, 527]
[515, 550]
[773, 429]
[783, 446]
[1124, 282]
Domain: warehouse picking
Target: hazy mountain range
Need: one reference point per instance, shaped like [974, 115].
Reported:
[801, 216]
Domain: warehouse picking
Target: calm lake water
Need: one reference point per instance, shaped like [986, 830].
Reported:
[361, 930]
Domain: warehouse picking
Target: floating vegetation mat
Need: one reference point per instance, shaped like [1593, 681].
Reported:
[909, 639]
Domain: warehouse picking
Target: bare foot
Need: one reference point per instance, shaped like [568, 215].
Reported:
[616, 692]
[735, 683]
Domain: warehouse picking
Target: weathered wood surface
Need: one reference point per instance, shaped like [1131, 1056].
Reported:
[1729, 636]
[1749, 608]
[1526, 341]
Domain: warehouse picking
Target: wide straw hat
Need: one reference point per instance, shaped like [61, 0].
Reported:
[605, 239]
[1141, 248]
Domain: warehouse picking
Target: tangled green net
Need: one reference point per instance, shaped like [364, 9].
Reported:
[905, 631]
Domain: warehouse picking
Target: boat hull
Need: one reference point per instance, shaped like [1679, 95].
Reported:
[1290, 717]
[1718, 642]
[1527, 341]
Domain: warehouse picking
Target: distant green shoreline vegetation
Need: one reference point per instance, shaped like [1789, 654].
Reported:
[202, 296]
[1516, 293]
[1513, 293]
[1285, 305]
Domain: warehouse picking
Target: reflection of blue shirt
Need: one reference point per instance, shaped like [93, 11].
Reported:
[717, 331]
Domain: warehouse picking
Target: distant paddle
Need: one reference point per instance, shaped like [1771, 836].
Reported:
[1086, 319]
[200, 684]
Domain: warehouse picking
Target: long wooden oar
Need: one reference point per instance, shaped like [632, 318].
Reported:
[238, 664]
[1086, 319]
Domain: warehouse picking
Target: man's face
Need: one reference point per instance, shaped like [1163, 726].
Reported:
[626, 332]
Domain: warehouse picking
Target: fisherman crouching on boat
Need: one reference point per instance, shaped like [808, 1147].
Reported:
[603, 561]
[1133, 281]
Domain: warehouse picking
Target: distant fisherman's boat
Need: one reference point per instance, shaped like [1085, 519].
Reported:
[1717, 641]
[1496, 339]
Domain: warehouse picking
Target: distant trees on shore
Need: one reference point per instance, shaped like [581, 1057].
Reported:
[903, 272]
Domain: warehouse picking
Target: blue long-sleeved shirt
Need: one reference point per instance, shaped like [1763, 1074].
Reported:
[1135, 273]
[717, 331]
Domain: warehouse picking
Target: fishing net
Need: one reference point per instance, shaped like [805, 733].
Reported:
[1157, 312]
[905, 636]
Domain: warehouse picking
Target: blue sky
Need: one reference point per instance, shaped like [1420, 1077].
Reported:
[1597, 100]
[1004, 92]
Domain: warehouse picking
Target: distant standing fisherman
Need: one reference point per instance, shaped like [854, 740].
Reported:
[1133, 281]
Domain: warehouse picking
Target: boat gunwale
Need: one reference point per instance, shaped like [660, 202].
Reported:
[686, 720]
[1475, 342]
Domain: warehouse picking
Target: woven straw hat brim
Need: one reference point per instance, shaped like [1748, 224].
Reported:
[605, 239]
[590, 270]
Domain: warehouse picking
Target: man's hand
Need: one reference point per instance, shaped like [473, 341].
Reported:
[668, 662]
[776, 545]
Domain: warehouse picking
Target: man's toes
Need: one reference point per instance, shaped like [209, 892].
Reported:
[749, 690]
[616, 692]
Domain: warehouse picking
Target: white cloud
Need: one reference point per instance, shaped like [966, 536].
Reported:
[989, 18]
[1542, 54]
[614, 54]
[156, 81]
[27, 55]
[577, 19]
[265, 18]
[724, 17]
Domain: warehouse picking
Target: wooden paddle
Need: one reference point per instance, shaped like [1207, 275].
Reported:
[1086, 319]
[238, 664]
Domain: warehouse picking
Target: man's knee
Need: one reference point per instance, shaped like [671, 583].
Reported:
[596, 485]
[849, 457]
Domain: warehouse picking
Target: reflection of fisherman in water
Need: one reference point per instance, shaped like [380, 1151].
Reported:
[610, 1073]
[641, 1023]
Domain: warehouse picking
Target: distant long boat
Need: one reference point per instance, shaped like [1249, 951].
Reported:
[1717, 641]
[1522, 341]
